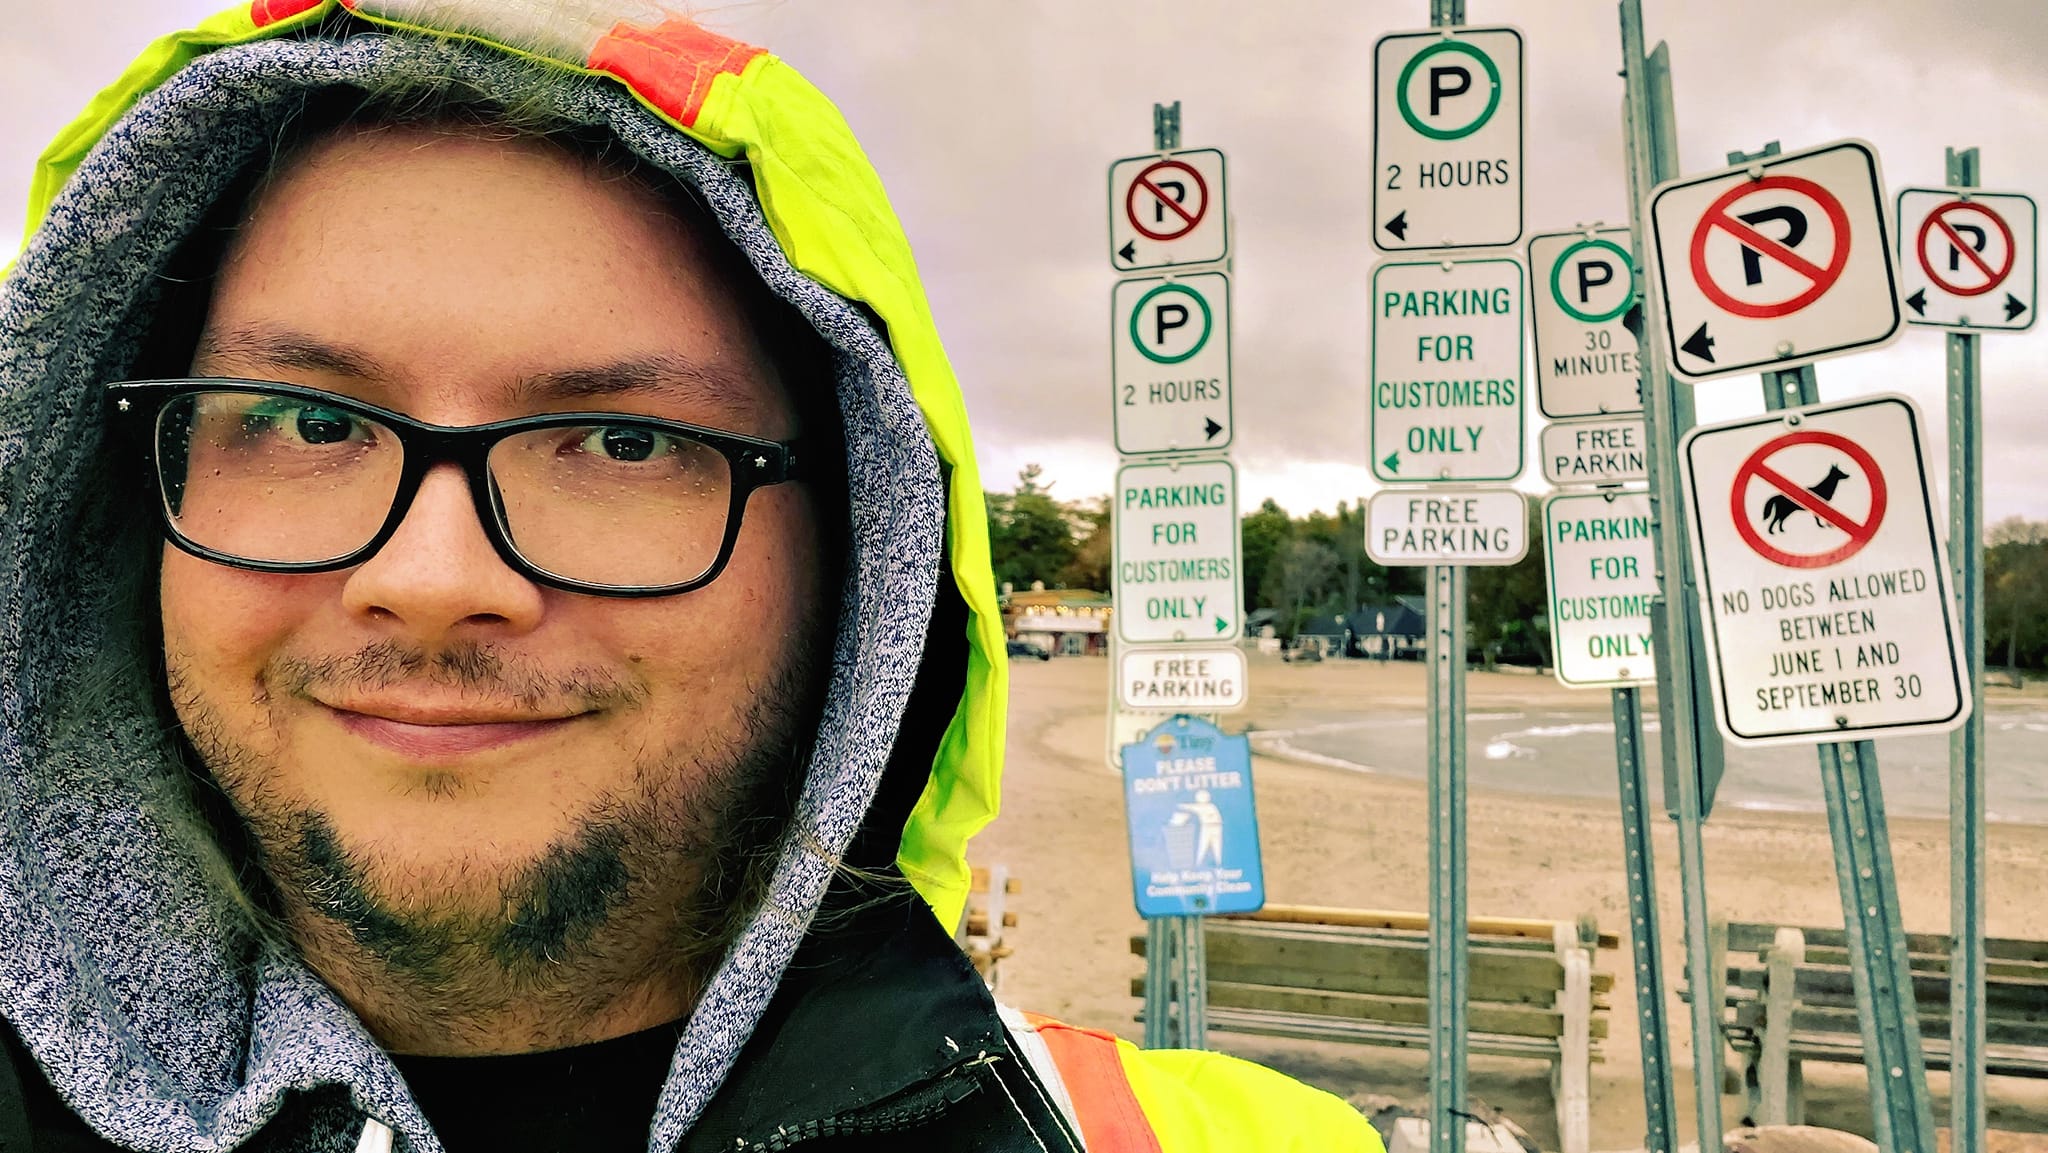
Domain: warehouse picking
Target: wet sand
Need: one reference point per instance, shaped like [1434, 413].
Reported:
[1336, 837]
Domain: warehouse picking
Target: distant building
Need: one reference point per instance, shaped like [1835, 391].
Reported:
[1396, 630]
[1065, 622]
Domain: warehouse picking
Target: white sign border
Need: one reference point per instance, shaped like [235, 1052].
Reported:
[1899, 231]
[1521, 141]
[1116, 406]
[1803, 356]
[1703, 606]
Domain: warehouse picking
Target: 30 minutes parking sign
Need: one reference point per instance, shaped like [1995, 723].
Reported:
[1823, 581]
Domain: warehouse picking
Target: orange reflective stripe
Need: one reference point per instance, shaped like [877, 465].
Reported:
[267, 12]
[1111, 1119]
[671, 66]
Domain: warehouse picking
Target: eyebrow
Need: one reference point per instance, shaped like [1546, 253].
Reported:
[288, 348]
[669, 377]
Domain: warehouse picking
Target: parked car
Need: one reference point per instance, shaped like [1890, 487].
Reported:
[1303, 650]
[1029, 649]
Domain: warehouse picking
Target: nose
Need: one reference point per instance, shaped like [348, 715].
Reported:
[438, 578]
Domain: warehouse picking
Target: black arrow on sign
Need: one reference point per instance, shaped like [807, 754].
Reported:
[1210, 427]
[1399, 225]
[1129, 251]
[1633, 320]
[1699, 345]
[1918, 301]
[2013, 307]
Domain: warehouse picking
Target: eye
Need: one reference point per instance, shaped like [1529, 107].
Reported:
[325, 425]
[624, 442]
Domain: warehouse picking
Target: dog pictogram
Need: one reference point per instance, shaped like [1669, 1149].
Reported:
[1781, 506]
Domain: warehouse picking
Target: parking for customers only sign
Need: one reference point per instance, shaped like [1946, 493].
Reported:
[1170, 363]
[1582, 289]
[1601, 560]
[1176, 552]
[1447, 387]
[1822, 579]
[1447, 139]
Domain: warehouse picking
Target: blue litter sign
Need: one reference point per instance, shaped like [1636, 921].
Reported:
[1193, 825]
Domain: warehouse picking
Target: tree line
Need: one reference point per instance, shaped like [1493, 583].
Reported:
[1303, 567]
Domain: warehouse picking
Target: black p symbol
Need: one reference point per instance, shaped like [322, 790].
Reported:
[1588, 281]
[1438, 89]
[1977, 238]
[1168, 317]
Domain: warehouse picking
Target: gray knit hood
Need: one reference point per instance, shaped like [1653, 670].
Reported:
[120, 966]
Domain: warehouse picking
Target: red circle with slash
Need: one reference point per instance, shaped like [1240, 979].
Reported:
[1802, 498]
[1820, 278]
[1146, 181]
[1992, 277]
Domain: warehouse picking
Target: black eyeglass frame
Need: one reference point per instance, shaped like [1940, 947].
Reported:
[134, 406]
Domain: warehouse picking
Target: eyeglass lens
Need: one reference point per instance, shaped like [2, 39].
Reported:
[284, 479]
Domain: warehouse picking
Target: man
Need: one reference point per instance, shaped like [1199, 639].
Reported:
[499, 648]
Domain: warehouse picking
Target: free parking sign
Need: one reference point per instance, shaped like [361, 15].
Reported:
[1776, 262]
[1968, 259]
[1170, 368]
[1582, 290]
[1447, 139]
[1167, 209]
[1823, 581]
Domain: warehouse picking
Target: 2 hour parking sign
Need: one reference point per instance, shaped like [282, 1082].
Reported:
[1774, 263]
[1447, 139]
[1170, 363]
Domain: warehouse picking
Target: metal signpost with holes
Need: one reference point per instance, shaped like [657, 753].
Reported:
[1780, 260]
[1968, 262]
[1859, 543]
[1690, 746]
[1178, 589]
[1599, 550]
[1448, 125]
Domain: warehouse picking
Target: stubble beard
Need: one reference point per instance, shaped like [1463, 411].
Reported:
[627, 911]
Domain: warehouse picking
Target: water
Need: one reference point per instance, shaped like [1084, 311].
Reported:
[1569, 751]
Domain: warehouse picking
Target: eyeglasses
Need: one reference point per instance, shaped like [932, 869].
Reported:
[280, 478]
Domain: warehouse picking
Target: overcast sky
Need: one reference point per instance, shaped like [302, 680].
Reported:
[993, 125]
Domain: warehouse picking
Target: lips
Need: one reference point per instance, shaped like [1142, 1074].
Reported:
[428, 735]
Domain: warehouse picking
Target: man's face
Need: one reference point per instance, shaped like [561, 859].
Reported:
[432, 749]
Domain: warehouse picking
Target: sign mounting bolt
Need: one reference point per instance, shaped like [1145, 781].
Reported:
[1784, 348]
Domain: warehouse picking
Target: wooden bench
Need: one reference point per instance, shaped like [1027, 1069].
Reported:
[1789, 996]
[1362, 976]
[986, 916]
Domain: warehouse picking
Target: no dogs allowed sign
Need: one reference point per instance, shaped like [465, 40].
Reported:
[1823, 582]
[1775, 263]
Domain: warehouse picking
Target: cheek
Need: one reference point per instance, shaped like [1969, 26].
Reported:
[222, 623]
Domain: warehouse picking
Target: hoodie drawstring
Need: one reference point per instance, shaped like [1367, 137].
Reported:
[376, 1137]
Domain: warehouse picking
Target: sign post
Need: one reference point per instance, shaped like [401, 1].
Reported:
[1178, 587]
[1829, 615]
[1968, 1107]
[1689, 754]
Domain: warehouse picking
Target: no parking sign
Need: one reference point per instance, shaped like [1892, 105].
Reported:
[1823, 580]
[1775, 263]
[1968, 259]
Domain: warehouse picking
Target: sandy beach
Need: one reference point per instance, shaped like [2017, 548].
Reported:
[1337, 837]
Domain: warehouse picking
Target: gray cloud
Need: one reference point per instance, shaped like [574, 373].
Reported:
[993, 125]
